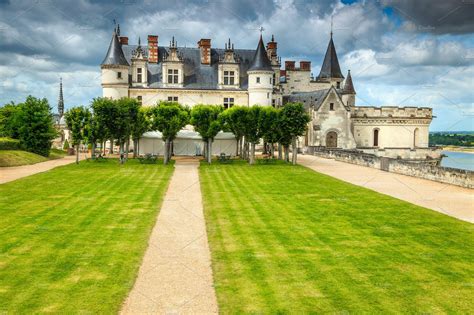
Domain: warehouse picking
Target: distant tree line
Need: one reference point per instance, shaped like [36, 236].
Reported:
[30, 122]
[457, 139]
[124, 120]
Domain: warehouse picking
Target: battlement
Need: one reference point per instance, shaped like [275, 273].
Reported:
[391, 111]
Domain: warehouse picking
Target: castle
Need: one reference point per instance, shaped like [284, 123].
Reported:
[231, 76]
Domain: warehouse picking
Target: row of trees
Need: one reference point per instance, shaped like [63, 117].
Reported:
[31, 122]
[124, 119]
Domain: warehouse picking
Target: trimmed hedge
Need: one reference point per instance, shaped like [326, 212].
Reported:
[9, 144]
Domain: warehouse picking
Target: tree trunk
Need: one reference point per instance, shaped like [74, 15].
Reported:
[280, 153]
[135, 148]
[252, 154]
[209, 151]
[166, 154]
[77, 153]
[127, 148]
[265, 151]
[237, 147]
[111, 149]
[295, 151]
[122, 144]
[241, 147]
[93, 150]
[272, 150]
[170, 150]
[287, 153]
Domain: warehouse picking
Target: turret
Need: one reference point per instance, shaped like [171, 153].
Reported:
[348, 92]
[260, 78]
[330, 70]
[115, 69]
[139, 66]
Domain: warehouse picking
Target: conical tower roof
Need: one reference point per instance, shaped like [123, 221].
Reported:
[260, 60]
[61, 99]
[330, 68]
[348, 85]
[115, 54]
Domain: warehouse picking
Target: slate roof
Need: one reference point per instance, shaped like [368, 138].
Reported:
[115, 54]
[260, 60]
[330, 67]
[348, 85]
[313, 99]
[196, 75]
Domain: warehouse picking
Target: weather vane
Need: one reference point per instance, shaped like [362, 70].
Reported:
[331, 25]
[261, 29]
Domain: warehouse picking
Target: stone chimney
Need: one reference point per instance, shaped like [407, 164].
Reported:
[272, 48]
[123, 40]
[289, 65]
[153, 48]
[205, 46]
[305, 65]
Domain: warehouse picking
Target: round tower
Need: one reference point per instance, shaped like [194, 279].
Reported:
[260, 78]
[115, 69]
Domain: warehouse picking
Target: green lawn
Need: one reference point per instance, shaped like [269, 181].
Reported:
[289, 240]
[72, 239]
[18, 157]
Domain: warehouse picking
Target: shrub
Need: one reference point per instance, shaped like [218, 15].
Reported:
[66, 145]
[9, 144]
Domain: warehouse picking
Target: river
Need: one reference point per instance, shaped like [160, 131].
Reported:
[458, 160]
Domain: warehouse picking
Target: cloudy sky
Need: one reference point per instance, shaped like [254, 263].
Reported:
[400, 52]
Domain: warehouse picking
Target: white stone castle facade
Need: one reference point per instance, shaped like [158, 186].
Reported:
[207, 75]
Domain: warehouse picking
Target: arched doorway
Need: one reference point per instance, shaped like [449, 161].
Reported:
[416, 138]
[376, 137]
[331, 139]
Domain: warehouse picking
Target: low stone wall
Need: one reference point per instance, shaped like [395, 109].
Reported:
[454, 176]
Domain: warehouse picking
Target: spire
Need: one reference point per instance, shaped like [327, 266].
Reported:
[260, 60]
[61, 99]
[115, 54]
[330, 68]
[139, 41]
[118, 29]
[348, 85]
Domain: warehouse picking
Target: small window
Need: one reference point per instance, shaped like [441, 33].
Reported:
[229, 78]
[258, 79]
[271, 81]
[338, 85]
[139, 98]
[273, 102]
[331, 106]
[274, 78]
[173, 76]
[172, 98]
[119, 75]
[139, 75]
[268, 95]
[228, 102]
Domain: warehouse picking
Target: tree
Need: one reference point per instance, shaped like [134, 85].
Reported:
[269, 126]
[36, 130]
[168, 118]
[233, 120]
[293, 123]
[103, 108]
[77, 119]
[205, 119]
[9, 125]
[128, 113]
[65, 145]
[139, 127]
[253, 133]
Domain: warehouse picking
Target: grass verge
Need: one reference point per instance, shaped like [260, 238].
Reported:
[72, 238]
[18, 157]
[286, 239]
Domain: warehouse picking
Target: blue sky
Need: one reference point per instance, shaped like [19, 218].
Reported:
[400, 52]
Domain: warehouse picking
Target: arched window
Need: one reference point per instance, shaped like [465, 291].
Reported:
[416, 138]
[376, 137]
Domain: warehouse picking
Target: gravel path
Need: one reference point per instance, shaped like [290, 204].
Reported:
[176, 275]
[451, 200]
[7, 174]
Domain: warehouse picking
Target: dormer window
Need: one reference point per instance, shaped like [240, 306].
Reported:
[119, 75]
[139, 75]
[173, 76]
[258, 79]
[229, 78]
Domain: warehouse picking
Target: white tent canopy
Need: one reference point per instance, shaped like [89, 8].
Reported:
[187, 143]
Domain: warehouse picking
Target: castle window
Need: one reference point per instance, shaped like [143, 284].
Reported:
[376, 137]
[268, 95]
[229, 77]
[228, 102]
[172, 98]
[119, 75]
[271, 81]
[338, 85]
[173, 76]
[331, 106]
[139, 99]
[258, 79]
[274, 78]
[139, 75]
[273, 102]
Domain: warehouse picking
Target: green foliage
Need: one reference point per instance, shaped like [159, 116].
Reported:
[441, 138]
[127, 112]
[252, 130]
[269, 124]
[205, 119]
[168, 118]
[293, 121]
[9, 120]
[77, 119]
[35, 121]
[66, 145]
[234, 120]
[141, 124]
[104, 110]
[9, 144]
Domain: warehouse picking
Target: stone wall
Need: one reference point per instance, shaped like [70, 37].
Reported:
[458, 177]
